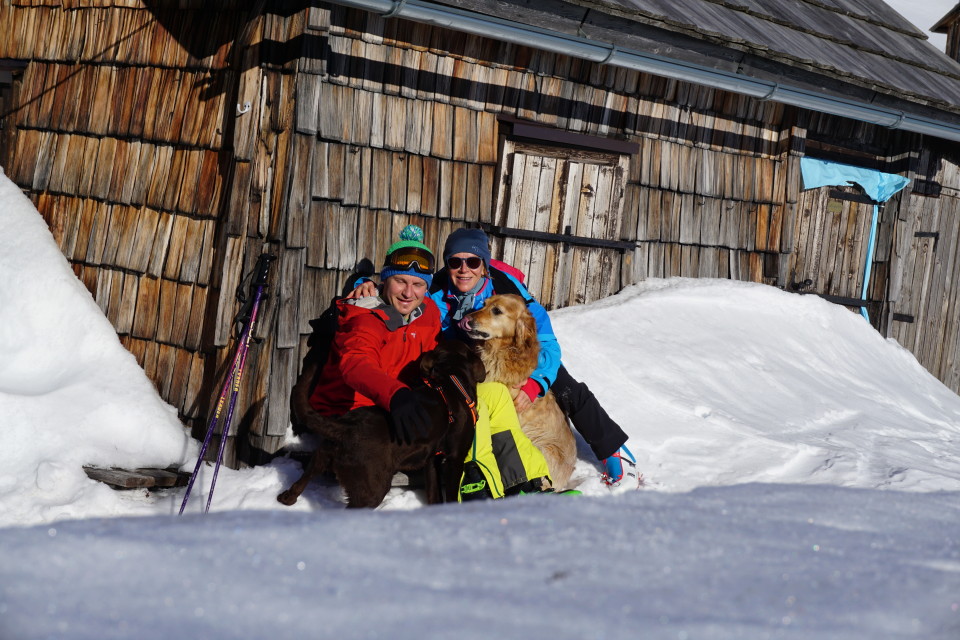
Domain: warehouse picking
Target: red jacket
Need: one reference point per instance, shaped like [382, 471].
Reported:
[372, 356]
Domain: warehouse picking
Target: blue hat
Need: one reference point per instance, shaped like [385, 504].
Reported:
[468, 241]
[409, 256]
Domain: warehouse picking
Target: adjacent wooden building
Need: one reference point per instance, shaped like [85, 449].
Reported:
[168, 143]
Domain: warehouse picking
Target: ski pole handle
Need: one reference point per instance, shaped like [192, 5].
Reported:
[262, 269]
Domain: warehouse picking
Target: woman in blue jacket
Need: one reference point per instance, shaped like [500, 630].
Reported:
[462, 286]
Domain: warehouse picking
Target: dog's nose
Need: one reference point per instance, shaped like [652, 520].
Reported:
[464, 324]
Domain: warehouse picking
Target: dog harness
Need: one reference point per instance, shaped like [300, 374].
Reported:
[471, 403]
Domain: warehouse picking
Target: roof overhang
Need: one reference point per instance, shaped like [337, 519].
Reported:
[943, 24]
[867, 106]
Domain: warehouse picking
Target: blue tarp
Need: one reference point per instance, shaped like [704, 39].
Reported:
[878, 185]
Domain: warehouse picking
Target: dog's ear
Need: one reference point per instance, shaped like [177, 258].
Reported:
[479, 371]
[426, 364]
[526, 330]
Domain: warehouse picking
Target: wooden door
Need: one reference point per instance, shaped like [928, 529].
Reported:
[552, 202]
[830, 248]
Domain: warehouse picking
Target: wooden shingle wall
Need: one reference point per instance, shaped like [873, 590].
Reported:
[116, 132]
[924, 298]
[411, 110]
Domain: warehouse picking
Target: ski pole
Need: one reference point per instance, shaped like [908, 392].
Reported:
[231, 384]
[211, 427]
[236, 391]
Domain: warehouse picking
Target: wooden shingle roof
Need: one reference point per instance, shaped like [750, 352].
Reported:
[833, 46]
[861, 40]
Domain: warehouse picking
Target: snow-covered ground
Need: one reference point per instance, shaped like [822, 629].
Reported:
[801, 473]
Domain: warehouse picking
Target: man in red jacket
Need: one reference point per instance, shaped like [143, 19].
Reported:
[379, 339]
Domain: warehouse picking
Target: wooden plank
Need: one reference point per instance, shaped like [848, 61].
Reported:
[175, 247]
[309, 98]
[362, 117]
[520, 178]
[397, 181]
[395, 111]
[335, 170]
[445, 189]
[547, 189]
[381, 179]
[351, 176]
[159, 176]
[120, 478]
[276, 220]
[198, 318]
[487, 178]
[314, 256]
[464, 141]
[472, 195]
[170, 477]
[580, 256]
[415, 184]
[568, 215]
[298, 197]
[126, 301]
[690, 218]
[104, 289]
[430, 191]
[334, 111]
[442, 122]
[762, 227]
[951, 236]
[145, 315]
[288, 293]
[283, 369]
[330, 225]
[180, 323]
[601, 277]
[98, 236]
[163, 374]
[378, 120]
[229, 280]
[459, 184]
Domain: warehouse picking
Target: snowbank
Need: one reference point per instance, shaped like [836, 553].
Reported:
[70, 394]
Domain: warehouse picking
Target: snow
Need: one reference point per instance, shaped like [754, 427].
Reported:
[801, 480]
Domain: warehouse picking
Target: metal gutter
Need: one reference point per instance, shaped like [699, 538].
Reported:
[605, 53]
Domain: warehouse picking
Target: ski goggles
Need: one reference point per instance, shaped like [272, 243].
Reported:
[473, 262]
[411, 258]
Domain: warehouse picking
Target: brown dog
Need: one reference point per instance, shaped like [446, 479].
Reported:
[505, 335]
[358, 448]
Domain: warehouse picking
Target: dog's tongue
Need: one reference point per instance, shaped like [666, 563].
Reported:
[464, 324]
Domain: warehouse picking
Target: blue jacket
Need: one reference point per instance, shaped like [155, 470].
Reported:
[500, 282]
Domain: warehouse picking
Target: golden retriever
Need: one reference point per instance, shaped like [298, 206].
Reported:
[505, 335]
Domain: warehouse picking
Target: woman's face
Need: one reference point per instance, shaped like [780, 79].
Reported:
[463, 277]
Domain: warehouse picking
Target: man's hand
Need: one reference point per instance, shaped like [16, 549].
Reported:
[409, 420]
[522, 402]
[363, 290]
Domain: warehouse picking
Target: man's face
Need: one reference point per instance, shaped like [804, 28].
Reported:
[463, 277]
[404, 293]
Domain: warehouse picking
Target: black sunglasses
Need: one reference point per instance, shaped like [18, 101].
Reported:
[472, 263]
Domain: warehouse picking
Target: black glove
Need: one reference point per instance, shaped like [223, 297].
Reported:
[409, 419]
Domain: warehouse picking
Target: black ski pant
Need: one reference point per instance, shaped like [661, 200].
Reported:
[582, 407]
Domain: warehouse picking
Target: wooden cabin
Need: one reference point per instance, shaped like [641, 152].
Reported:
[600, 142]
[950, 25]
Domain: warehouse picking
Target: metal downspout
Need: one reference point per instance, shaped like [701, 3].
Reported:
[602, 52]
